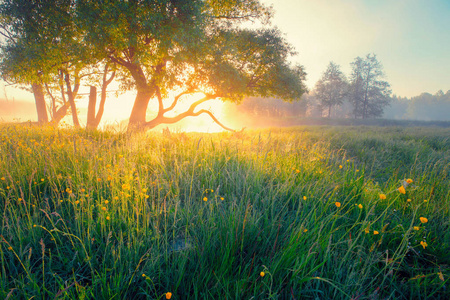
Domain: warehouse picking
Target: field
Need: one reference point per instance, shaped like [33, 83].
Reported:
[295, 213]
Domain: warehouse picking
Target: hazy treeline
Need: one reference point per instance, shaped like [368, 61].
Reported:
[424, 107]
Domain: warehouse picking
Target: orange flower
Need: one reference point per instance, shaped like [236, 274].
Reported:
[262, 274]
[168, 294]
[402, 190]
[423, 244]
[338, 204]
[423, 219]
[382, 196]
[205, 199]
[409, 180]
[375, 232]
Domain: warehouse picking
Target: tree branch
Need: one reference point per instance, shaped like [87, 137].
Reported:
[175, 101]
[204, 111]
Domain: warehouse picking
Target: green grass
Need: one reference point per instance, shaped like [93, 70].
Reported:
[103, 215]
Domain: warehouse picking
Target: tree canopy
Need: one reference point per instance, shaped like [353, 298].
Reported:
[332, 88]
[369, 94]
[159, 47]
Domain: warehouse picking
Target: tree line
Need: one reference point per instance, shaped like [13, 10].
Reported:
[154, 47]
[425, 107]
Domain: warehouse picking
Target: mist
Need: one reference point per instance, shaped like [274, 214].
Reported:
[17, 111]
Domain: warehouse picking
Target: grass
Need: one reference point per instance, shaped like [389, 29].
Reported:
[103, 215]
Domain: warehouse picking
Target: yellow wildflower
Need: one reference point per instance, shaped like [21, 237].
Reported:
[205, 199]
[304, 197]
[409, 180]
[375, 232]
[416, 228]
[402, 190]
[408, 200]
[366, 230]
[108, 218]
[360, 206]
[104, 208]
[168, 294]
[382, 196]
[423, 219]
[338, 204]
[262, 274]
[340, 167]
[423, 244]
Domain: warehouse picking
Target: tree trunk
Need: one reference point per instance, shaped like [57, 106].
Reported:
[40, 103]
[329, 111]
[60, 113]
[139, 111]
[91, 108]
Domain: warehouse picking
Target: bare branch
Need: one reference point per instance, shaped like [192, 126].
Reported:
[204, 111]
[175, 101]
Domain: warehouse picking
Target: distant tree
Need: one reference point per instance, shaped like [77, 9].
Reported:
[369, 94]
[332, 88]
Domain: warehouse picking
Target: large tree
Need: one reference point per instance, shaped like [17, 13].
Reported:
[190, 47]
[369, 94]
[332, 88]
[159, 47]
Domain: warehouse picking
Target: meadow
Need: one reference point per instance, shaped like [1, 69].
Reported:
[314, 212]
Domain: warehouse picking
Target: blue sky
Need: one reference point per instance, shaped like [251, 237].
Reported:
[411, 38]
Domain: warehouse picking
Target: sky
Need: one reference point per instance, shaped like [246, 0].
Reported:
[411, 39]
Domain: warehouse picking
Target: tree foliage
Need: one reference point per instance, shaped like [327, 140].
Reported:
[332, 88]
[43, 48]
[369, 94]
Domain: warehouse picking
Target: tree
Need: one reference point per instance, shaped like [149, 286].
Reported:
[369, 94]
[43, 48]
[190, 47]
[332, 88]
